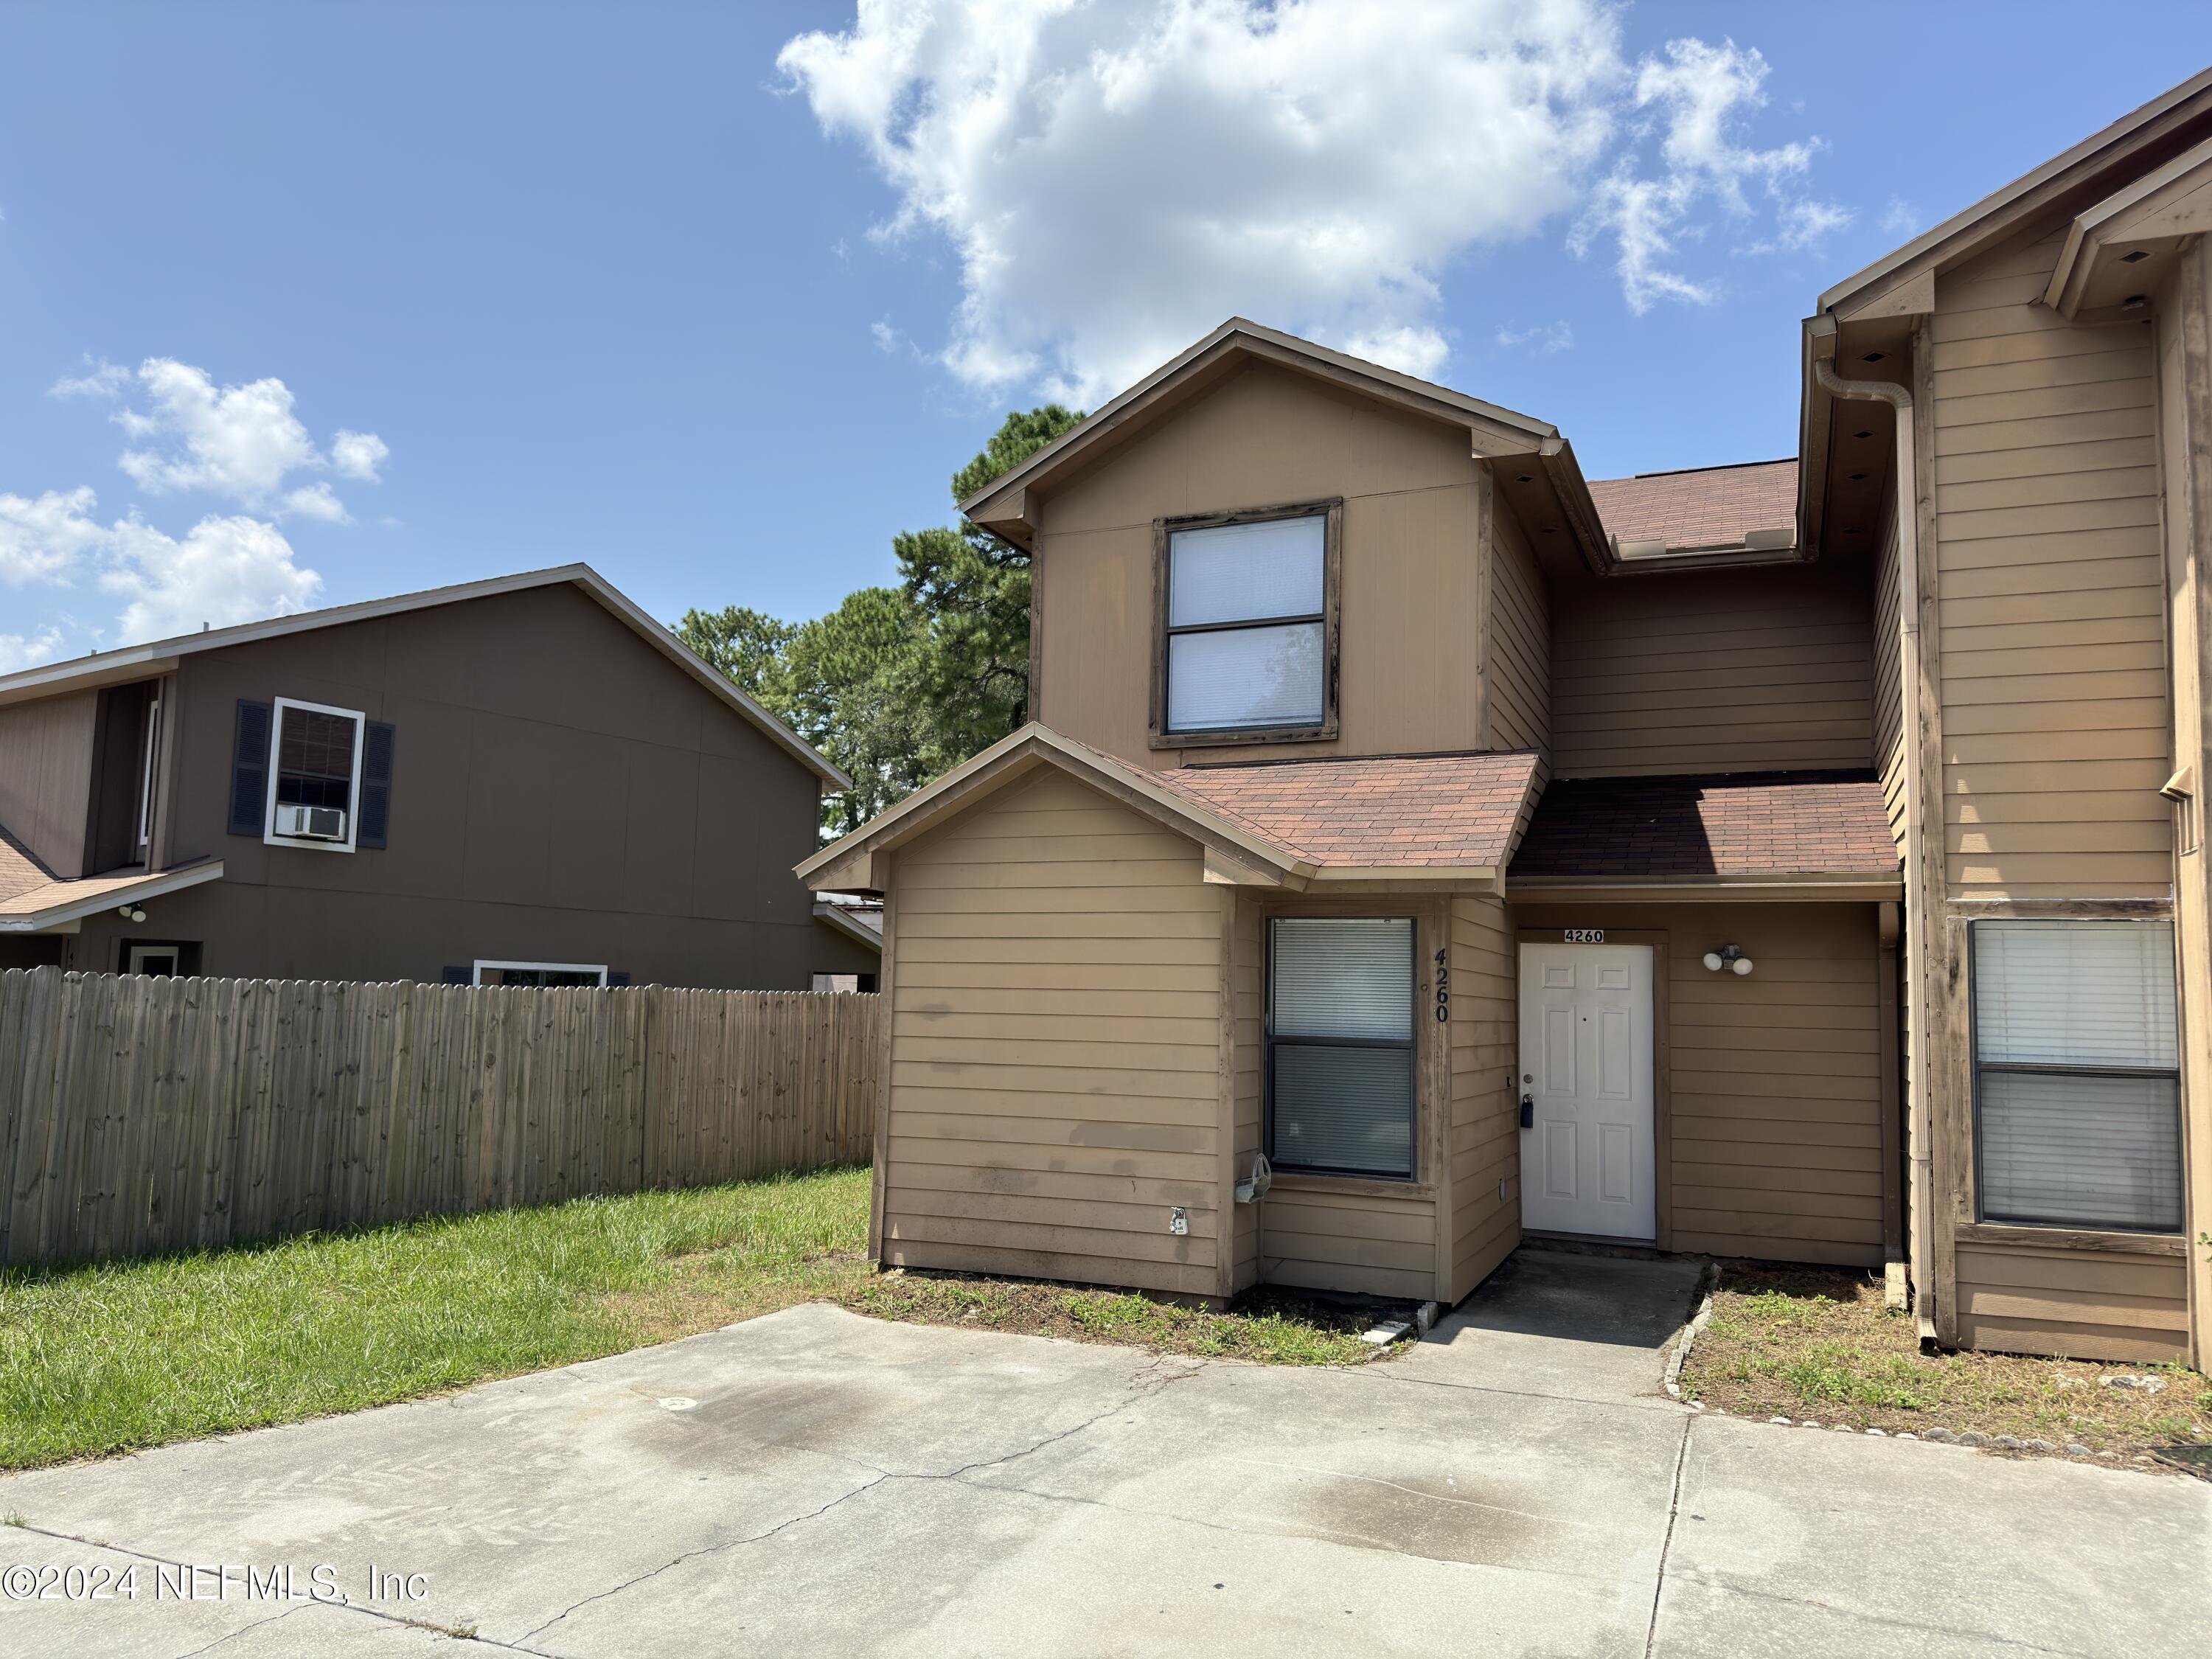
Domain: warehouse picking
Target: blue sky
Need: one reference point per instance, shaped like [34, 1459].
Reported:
[504, 286]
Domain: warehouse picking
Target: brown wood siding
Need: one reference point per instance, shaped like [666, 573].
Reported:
[1321, 1238]
[1760, 670]
[1891, 756]
[562, 793]
[2088, 1305]
[1248, 971]
[45, 777]
[2055, 717]
[1410, 676]
[1519, 637]
[1486, 1137]
[1055, 1046]
[1776, 1085]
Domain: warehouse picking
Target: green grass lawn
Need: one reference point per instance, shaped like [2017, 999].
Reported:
[108, 1358]
[113, 1358]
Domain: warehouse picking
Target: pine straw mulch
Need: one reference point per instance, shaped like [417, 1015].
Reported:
[1822, 1344]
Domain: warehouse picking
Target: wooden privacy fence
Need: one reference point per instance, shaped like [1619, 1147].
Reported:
[140, 1115]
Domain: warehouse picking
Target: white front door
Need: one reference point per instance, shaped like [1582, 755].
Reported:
[1586, 1158]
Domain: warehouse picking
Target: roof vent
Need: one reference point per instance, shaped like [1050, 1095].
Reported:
[2137, 257]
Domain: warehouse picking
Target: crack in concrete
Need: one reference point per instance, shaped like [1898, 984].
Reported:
[1136, 1385]
[1674, 1509]
[691, 1555]
[1886, 1620]
[233, 1635]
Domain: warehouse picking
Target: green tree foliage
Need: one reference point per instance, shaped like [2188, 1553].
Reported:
[899, 684]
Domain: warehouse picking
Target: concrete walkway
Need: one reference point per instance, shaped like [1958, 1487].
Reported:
[818, 1483]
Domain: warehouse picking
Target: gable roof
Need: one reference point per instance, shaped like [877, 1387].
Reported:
[1272, 823]
[2168, 122]
[1767, 827]
[139, 661]
[1006, 506]
[1701, 508]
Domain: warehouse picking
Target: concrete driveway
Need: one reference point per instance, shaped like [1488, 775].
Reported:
[815, 1482]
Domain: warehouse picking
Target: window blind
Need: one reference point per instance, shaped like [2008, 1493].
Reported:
[1261, 677]
[1240, 572]
[1340, 1034]
[2101, 1151]
[2078, 1092]
[2075, 992]
[1344, 977]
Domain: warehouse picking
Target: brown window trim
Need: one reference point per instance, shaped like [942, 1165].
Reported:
[1332, 510]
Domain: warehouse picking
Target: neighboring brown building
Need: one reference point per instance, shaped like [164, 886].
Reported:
[521, 780]
[1420, 846]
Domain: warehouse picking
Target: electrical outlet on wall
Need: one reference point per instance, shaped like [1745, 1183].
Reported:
[1178, 1220]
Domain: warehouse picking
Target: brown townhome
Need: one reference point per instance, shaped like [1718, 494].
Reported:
[1420, 847]
[525, 780]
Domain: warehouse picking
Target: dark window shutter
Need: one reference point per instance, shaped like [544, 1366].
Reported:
[375, 786]
[458, 975]
[249, 770]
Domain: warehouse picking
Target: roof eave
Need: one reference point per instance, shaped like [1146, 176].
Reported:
[849, 865]
[161, 656]
[82, 905]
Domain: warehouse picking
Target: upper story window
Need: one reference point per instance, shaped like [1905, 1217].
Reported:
[314, 773]
[1246, 644]
[2077, 1079]
[307, 774]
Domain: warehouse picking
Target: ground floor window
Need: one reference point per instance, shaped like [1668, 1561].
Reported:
[2077, 1081]
[1340, 1044]
[540, 973]
[844, 982]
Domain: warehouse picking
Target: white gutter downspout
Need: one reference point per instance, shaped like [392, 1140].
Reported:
[1919, 1225]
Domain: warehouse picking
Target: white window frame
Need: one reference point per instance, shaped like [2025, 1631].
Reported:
[476, 973]
[146, 779]
[353, 796]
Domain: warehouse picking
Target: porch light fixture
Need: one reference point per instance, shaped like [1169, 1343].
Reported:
[131, 913]
[1731, 957]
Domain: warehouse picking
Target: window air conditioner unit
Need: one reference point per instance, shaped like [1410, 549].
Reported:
[311, 823]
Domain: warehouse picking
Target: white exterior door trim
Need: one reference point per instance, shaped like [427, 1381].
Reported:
[1589, 1158]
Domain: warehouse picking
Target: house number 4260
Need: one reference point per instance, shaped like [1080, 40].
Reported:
[1443, 988]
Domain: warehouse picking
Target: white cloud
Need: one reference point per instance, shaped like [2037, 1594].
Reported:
[1542, 339]
[243, 443]
[1901, 217]
[19, 651]
[233, 440]
[1696, 97]
[43, 538]
[101, 379]
[885, 336]
[225, 570]
[317, 501]
[358, 454]
[1117, 178]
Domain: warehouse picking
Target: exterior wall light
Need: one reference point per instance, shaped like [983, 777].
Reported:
[131, 913]
[1731, 957]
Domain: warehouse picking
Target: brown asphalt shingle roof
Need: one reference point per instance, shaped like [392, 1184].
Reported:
[1712, 506]
[1772, 824]
[1438, 809]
